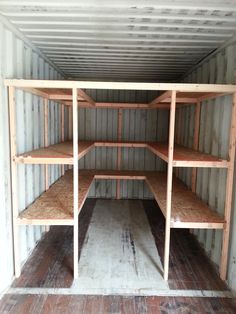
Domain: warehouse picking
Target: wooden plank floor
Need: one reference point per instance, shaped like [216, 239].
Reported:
[43, 304]
[51, 265]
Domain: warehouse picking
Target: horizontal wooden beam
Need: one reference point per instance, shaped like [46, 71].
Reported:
[181, 87]
[116, 105]
[211, 96]
[183, 100]
[196, 225]
[35, 92]
[86, 97]
[160, 98]
[63, 97]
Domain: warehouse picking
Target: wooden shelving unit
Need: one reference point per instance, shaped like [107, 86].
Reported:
[61, 203]
[62, 153]
[55, 206]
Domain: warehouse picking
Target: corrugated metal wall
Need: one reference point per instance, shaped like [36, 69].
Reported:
[137, 125]
[17, 60]
[214, 131]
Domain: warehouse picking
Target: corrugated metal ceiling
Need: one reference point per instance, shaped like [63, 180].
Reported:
[123, 39]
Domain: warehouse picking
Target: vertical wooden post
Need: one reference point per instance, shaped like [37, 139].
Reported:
[62, 132]
[196, 142]
[229, 190]
[46, 143]
[70, 126]
[75, 182]
[12, 122]
[177, 136]
[119, 133]
[169, 183]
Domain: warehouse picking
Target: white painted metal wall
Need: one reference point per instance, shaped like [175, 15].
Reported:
[18, 60]
[214, 130]
[137, 125]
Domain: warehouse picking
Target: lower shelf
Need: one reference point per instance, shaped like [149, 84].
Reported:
[188, 210]
[55, 206]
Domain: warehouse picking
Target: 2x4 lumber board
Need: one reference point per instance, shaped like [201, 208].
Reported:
[46, 168]
[188, 210]
[121, 144]
[55, 206]
[16, 246]
[84, 104]
[211, 96]
[196, 142]
[116, 174]
[181, 87]
[62, 132]
[86, 97]
[35, 92]
[46, 141]
[187, 157]
[187, 98]
[183, 100]
[169, 183]
[119, 137]
[64, 97]
[229, 192]
[75, 183]
[160, 98]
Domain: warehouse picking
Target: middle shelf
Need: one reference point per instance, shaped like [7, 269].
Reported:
[62, 153]
[55, 206]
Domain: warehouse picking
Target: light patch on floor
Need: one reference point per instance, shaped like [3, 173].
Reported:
[119, 253]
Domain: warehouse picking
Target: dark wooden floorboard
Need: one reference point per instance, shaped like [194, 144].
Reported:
[189, 268]
[24, 304]
[50, 265]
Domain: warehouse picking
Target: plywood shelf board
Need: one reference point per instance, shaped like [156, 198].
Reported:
[187, 157]
[188, 211]
[55, 206]
[186, 97]
[62, 153]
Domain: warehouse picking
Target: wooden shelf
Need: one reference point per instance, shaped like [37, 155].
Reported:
[188, 211]
[185, 97]
[55, 206]
[187, 157]
[62, 153]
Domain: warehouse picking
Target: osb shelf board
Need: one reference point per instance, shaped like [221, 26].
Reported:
[55, 206]
[187, 157]
[62, 153]
[188, 211]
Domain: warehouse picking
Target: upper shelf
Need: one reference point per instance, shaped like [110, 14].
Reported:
[55, 206]
[184, 97]
[63, 154]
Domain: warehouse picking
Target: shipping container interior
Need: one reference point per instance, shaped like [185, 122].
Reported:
[118, 152]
